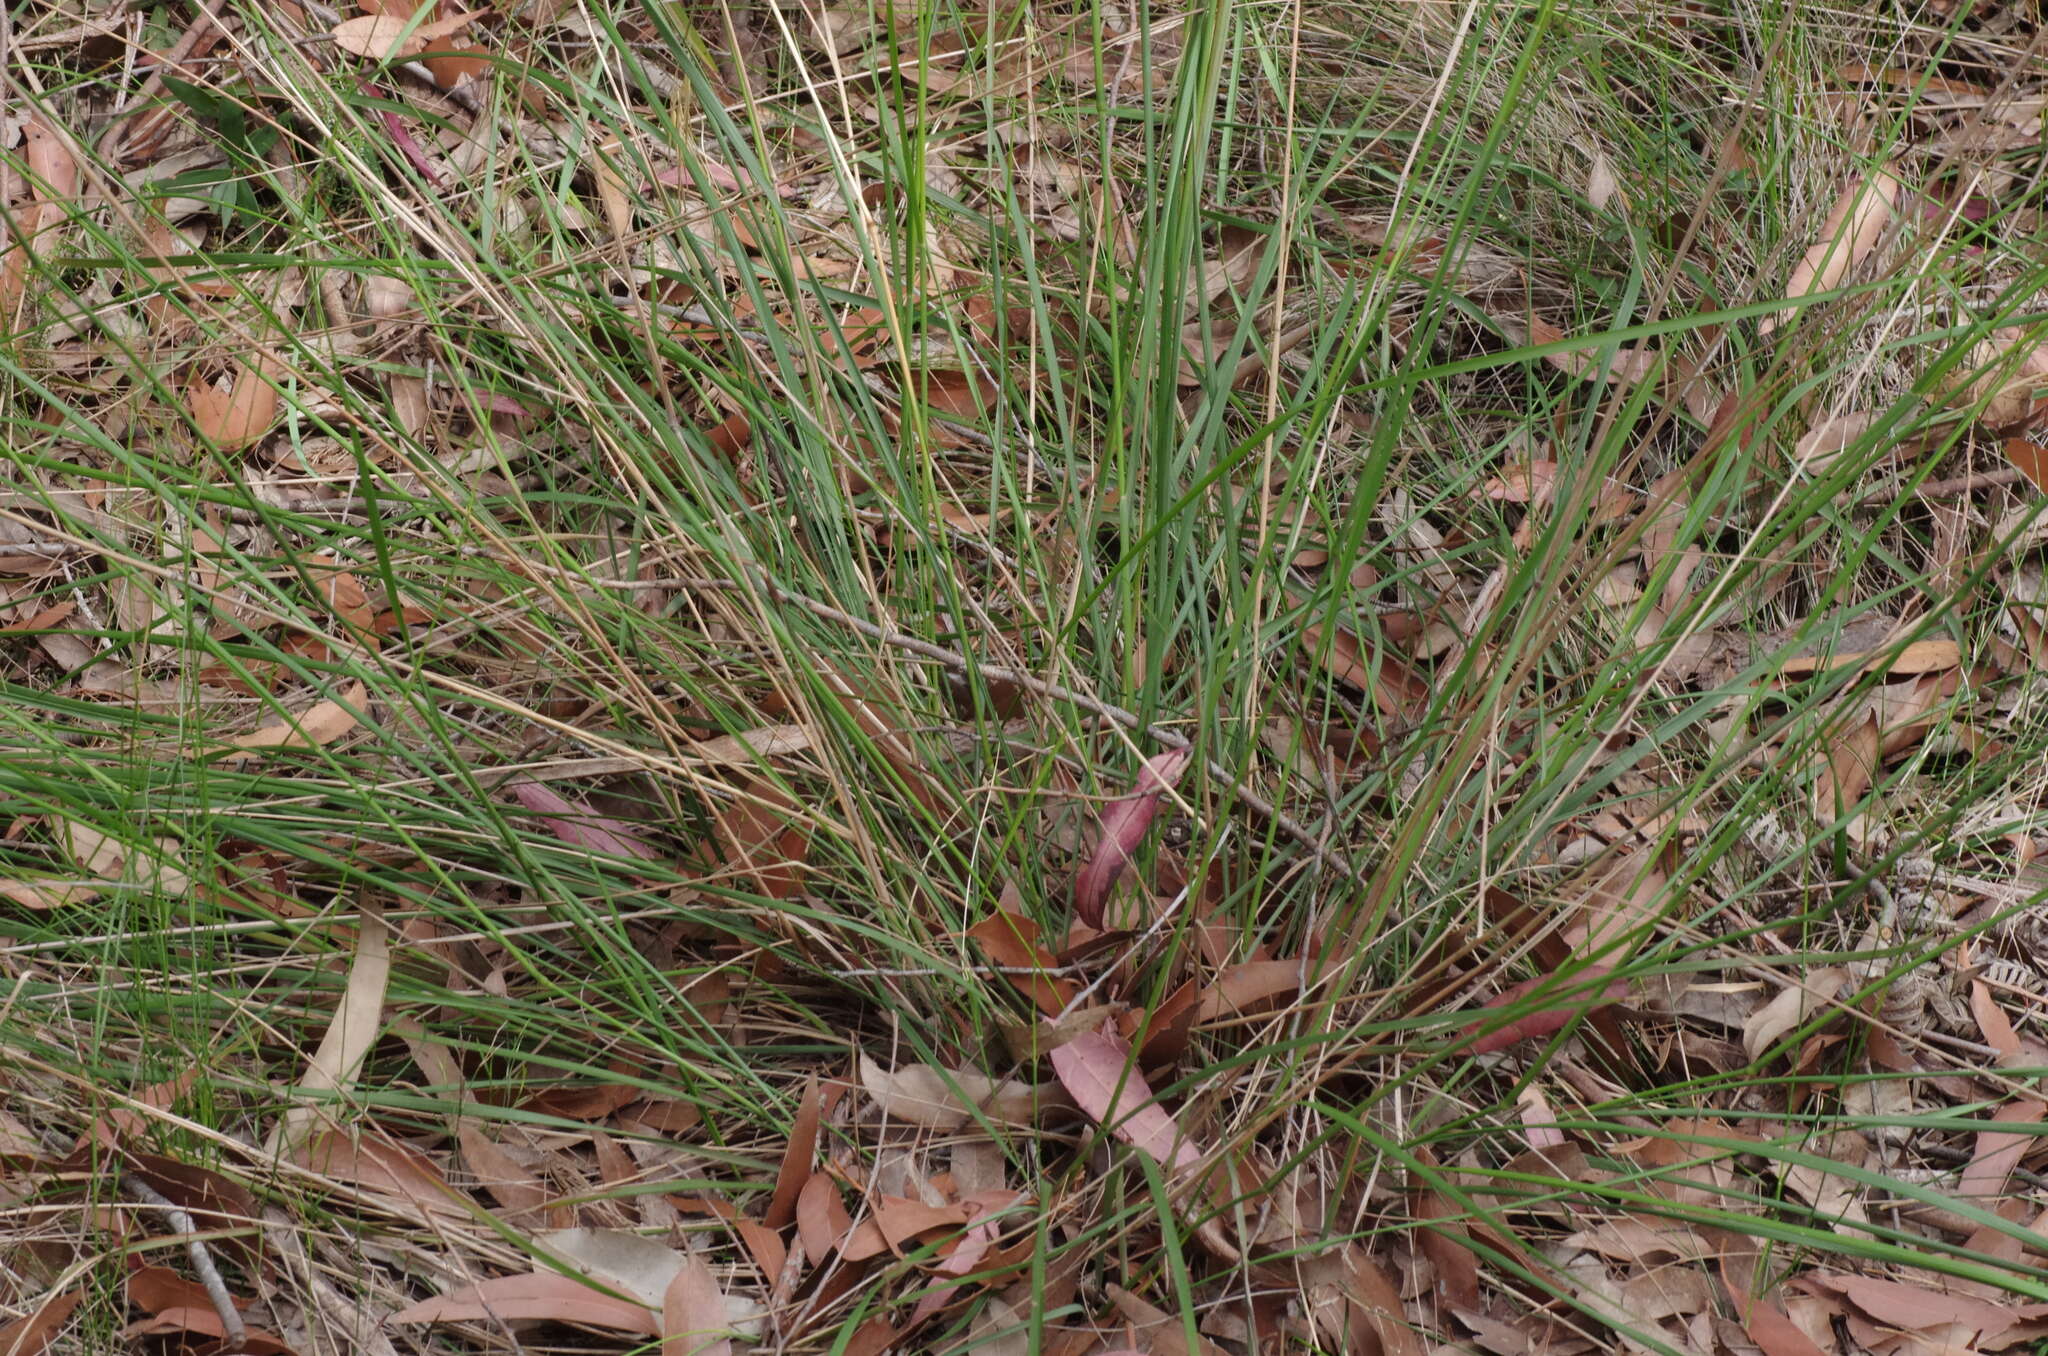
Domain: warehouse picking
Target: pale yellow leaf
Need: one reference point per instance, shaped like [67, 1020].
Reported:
[1852, 229]
[380, 37]
[354, 1029]
[321, 723]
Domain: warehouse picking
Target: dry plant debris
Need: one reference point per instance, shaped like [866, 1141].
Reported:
[1004, 678]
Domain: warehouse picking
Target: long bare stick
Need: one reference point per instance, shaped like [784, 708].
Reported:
[234, 1336]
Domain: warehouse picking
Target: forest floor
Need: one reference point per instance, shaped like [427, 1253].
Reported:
[1228, 679]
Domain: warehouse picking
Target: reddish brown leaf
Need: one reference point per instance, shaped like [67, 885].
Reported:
[29, 1334]
[1396, 689]
[765, 1247]
[821, 1218]
[1011, 941]
[1767, 1325]
[693, 1317]
[201, 1320]
[321, 723]
[2031, 459]
[153, 1289]
[581, 1101]
[380, 1166]
[237, 409]
[1123, 823]
[1447, 1244]
[759, 838]
[1378, 1302]
[1902, 1304]
[1998, 1152]
[796, 1158]
[1249, 987]
[543, 1295]
[1546, 1021]
[510, 1185]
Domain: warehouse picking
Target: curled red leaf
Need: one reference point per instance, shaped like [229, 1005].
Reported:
[1124, 823]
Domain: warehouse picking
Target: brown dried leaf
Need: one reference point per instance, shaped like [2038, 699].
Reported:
[1831, 437]
[575, 822]
[1248, 987]
[1011, 941]
[510, 1183]
[2030, 459]
[754, 746]
[796, 1158]
[382, 1167]
[321, 723]
[641, 1269]
[821, 1218]
[1791, 1008]
[1902, 1304]
[1998, 1152]
[31, 1333]
[693, 1315]
[1396, 689]
[1627, 365]
[2006, 374]
[1851, 231]
[236, 410]
[379, 37]
[1375, 1301]
[54, 172]
[761, 836]
[544, 1295]
[1572, 1000]
[1922, 656]
[355, 1028]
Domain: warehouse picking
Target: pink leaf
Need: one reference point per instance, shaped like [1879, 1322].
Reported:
[1123, 823]
[1548, 1021]
[1097, 1070]
[588, 829]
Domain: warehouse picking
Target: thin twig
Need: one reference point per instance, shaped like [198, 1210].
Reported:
[234, 1336]
[1952, 488]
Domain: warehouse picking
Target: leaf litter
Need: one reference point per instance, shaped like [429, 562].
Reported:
[1130, 1011]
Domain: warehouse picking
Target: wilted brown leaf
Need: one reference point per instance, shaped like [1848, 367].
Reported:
[761, 835]
[1395, 688]
[54, 180]
[1573, 999]
[321, 723]
[796, 1158]
[693, 1314]
[545, 1295]
[574, 822]
[1011, 941]
[1098, 1071]
[31, 1333]
[1625, 365]
[1791, 1008]
[2007, 375]
[237, 409]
